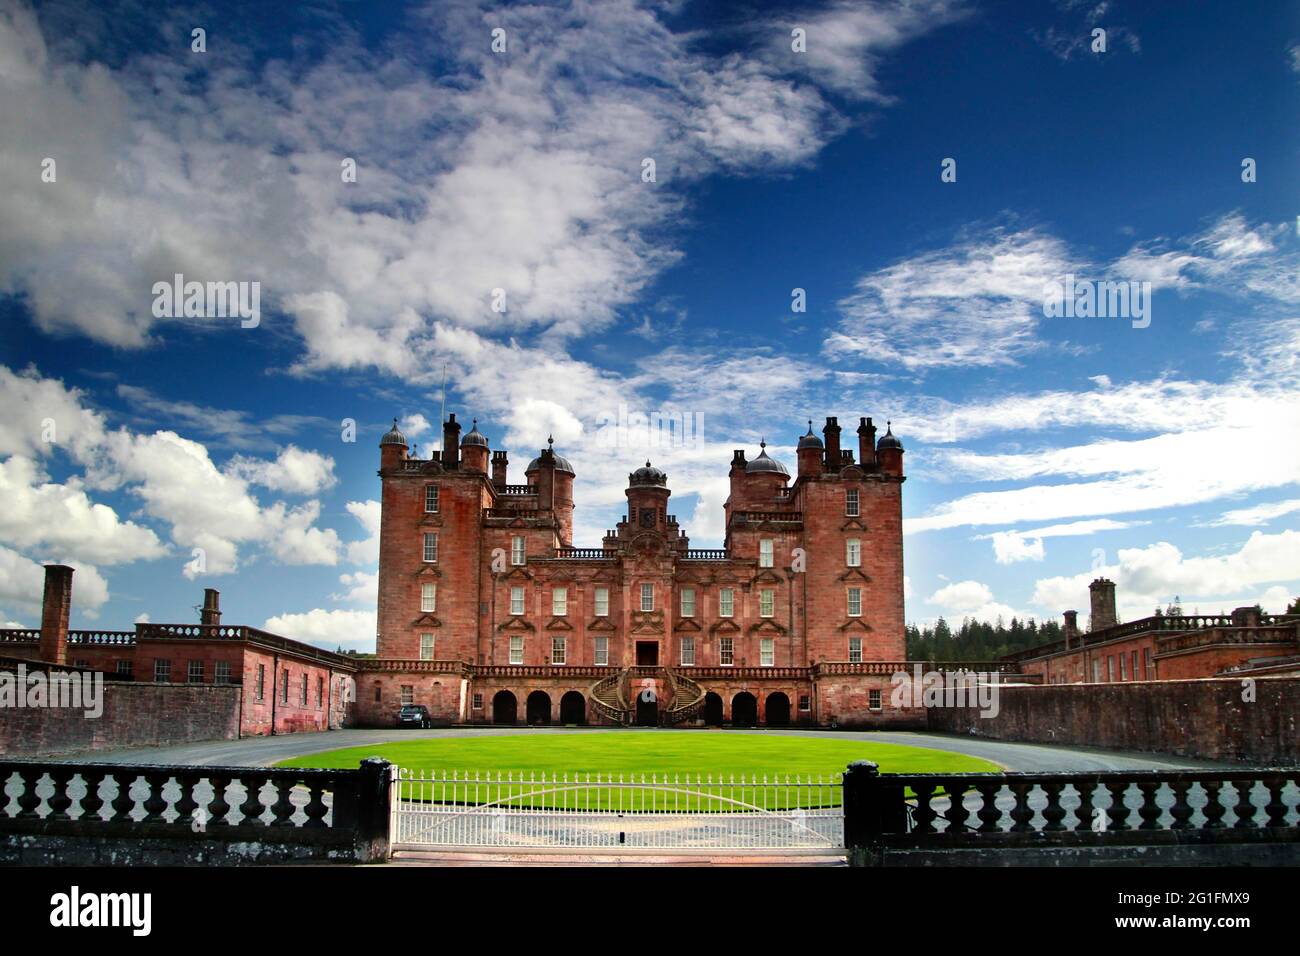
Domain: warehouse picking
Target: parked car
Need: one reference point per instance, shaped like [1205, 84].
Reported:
[414, 715]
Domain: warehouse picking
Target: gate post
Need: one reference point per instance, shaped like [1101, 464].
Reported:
[872, 808]
[374, 817]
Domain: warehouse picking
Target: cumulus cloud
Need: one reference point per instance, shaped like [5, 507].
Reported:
[1012, 546]
[974, 600]
[351, 630]
[22, 582]
[294, 470]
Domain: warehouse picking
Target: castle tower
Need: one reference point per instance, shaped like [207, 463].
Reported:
[474, 451]
[810, 454]
[647, 499]
[1102, 594]
[392, 449]
[889, 452]
[553, 476]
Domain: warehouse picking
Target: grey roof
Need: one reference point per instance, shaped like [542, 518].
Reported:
[887, 440]
[474, 437]
[393, 436]
[649, 475]
[765, 463]
[810, 440]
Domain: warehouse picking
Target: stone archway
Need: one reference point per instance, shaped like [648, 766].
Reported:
[505, 708]
[538, 711]
[744, 710]
[573, 708]
[712, 710]
[777, 710]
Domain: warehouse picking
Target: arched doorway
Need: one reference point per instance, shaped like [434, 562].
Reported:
[712, 709]
[505, 709]
[777, 711]
[539, 708]
[573, 708]
[744, 710]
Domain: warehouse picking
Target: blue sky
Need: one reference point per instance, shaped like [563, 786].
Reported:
[1041, 451]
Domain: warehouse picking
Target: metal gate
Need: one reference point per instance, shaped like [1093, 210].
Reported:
[616, 812]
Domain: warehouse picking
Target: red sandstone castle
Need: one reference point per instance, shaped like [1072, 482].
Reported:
[488, 613]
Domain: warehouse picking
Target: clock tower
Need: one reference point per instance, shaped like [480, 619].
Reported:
[647, 499]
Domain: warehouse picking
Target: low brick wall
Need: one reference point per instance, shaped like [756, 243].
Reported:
[1191, 718]
[134, 715]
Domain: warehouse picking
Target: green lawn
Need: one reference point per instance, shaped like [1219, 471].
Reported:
[703, 755]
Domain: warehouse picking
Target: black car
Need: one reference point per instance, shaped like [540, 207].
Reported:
[414, 715]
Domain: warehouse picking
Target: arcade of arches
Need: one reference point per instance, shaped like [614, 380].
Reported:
[572, 708]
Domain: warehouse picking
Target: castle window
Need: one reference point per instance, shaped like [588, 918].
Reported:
[428, 598]
[222, 676]
[284, 686]
[1133, 670]
[873, 698]
[379, 693]
[516, 600]
[726, 652]
[408, 694]
[853, 553]
[766, 602]
[766, 652]
[1096, 670]
[195, 673]
[304, 690]
[855, 602]
[162, 671]
[805, 703]
[647, 597]
[558, 650]
[430, 547]
[125, 669]
[855, 650]
[601, 655]
[726, 602]
[478, 702]
[688, 602]
[1146, 663]
[516, 649]
[517, 549]
[430, 498]
[688, 652]
[426, 647]
[1110, 667]
[765, 552]
[261, 681]
[559, 601]
[1123, 668]
[851, 502]
[602, 602]
[320, 692]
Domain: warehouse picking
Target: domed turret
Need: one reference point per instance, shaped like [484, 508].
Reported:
[475, 437]
[474, 450]
[889, 453]
[887, 440]
[393, 436]
[649, 475]
[810, 440]
[765, 463]
[809, 453]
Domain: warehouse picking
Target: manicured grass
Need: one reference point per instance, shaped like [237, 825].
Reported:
[715, 754]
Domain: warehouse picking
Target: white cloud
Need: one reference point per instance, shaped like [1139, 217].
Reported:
[367, 513]
[22, 582]
[1151, 575]
[1257, 514]
[294, 470]
[351, 630]
[362, 586]
[1012, 546]
[974, 600]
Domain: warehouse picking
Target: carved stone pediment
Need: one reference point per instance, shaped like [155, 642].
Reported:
[725, 626]
[647, 622]
[767, 576]
[766, 626]
[516, 623]
[687, 624]
[426, 620]
[854, 573]
[856, 622]
[431, 520]
[428, 571]
[854, 524]
[559, 624]
[601, 624]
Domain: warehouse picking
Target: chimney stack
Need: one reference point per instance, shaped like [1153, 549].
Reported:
[499, 464]
[1102, 593]
[210, 616]
[866, 444]
[1071, 627]
[55, 608]
[451, 443]
[834, 460]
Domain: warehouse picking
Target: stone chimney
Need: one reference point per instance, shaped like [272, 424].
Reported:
[866, 444]
[55, 608]
[451, 443]
[499, 465]
[1071, 629]
[210, 616]
[1102, 592]
[831, 433]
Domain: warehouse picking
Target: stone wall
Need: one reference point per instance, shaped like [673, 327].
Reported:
[1194, 718]
[134, 715]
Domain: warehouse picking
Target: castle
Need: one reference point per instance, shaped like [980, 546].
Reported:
[488, 613]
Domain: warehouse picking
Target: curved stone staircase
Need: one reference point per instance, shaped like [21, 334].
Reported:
[610, 701]
[609, 697]
[688, 699]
